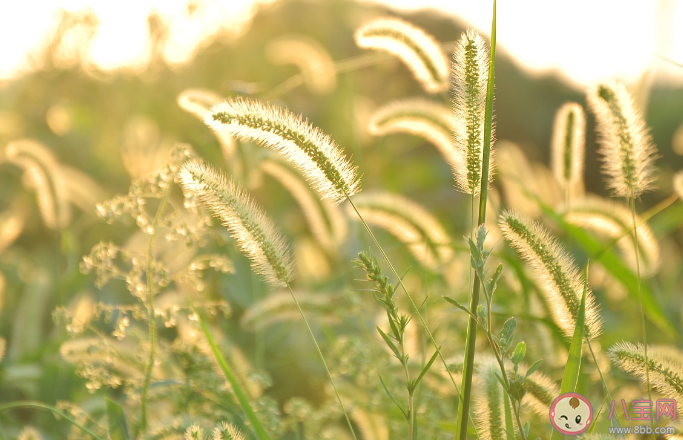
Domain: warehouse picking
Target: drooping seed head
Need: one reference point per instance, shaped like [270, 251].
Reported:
[309, 56]
[469, 82]
[256, 235]
[411, 223]
[568, 144]
[326, 221]
[678, 184]
[313, 152]
[430, 120]
[43, 173]
[665, 366]
[561, 282]
[614, 221]
[416, 48]
[627, 150]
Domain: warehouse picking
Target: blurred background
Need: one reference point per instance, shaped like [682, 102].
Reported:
[97, 84]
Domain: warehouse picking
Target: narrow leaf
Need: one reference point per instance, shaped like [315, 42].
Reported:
[426, 368]
[118, 425]
[236, 388]
[392, 397]
[390, 344]
[533, 368]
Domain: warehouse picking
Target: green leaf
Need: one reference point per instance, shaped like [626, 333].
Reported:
[533, 368]
[460, 306]
[508, 331]
[573, 366]
[230, 377]
[390, 344]
[118, 425]
[519, 353]
[392, 397]
[426, 368]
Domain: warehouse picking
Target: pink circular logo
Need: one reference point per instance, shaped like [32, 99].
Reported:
[571, 414]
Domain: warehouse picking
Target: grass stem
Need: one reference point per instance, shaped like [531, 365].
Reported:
[44, 407]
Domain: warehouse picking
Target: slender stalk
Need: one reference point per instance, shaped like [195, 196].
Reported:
[150, 315]
[640, 296]
[44, 407]
[322, 358]
[411, 398]
[468, 364]
[410, 298]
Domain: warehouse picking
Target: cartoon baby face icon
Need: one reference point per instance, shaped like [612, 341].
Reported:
[571, 414]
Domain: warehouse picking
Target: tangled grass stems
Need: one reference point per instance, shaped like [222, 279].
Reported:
[150, 313]
[53, 410]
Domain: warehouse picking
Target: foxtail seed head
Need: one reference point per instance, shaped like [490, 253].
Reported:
[469, 82]
[313, 152]
[255, 233]
[627, 150]
[568, 144]
[309, 56]
[227, 431]
[665, 366]
[558, 275]
[488, 412]
[411, 223]
[417, 49]
[427, 119]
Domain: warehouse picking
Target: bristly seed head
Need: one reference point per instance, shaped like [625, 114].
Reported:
[313, 152]
[627, 150]
[560, 278]
[568, 144]
[255, 233]
[469, 82]
[417, 49]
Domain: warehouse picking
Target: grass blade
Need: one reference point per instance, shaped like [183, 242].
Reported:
[236, 388]
[118, 425]
[571, 370]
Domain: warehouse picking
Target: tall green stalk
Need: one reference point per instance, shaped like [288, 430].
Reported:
[322, 358]
[150, 315]
[468, 364]
[640, 297]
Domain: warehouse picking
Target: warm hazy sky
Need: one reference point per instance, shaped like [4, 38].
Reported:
[585, 39]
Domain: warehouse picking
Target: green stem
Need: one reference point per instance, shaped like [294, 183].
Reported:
[642, 306]
[410, 297]
[232, 380]
[322, 358]
[468, 364]
[44, 407]
[150, 314]
[411, 399]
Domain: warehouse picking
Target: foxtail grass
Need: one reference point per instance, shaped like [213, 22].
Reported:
[418, 50]
[43, 407]
[613, 220]
[255, 234]
[310, 150]
[677, 184]
[470, 347]
[663, 366]
[43, 174]
[628, 164]
[568, 146]
[469, 88]
[427, 119]
[309, 56]
[489, 410]
[562, 283]
[410, 223]
[326, 222]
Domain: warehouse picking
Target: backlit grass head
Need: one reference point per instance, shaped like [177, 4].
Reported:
[417, 49]
[313, 152]
[256, 235]
[561, 282]
[469, 81]
[627, 150]
[568, 144]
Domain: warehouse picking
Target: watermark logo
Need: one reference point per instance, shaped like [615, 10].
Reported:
[571, 414]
